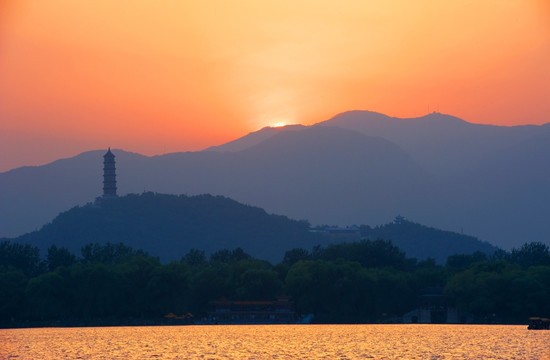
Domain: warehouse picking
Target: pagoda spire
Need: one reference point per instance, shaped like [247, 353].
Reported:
[109, 175]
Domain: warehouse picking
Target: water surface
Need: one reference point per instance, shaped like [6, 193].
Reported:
[278, 342]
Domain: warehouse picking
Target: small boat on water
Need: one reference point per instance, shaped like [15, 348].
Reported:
[537, 323]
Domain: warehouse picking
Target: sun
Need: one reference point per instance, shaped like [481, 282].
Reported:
[279, 121]
[278, 124]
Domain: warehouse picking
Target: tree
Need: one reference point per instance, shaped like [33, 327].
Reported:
[46, 297]
[108, 253]
[227, 256]
[136, 274]
[21, 256]
[258, 284]
[295, 255]
[506, 290]
[59, 257]
[12, 294]
[370, 254]
[168, 289]
[463, 261]
[194, 258]
[531, 254]
[221, 256]
[335, 291]
[209, 283]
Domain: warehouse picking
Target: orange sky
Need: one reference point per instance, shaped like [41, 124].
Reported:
[175, 75]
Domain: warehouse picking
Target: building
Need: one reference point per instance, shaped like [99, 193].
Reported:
[109, 175]
[436, 308]
[336, 231]
[279, 311]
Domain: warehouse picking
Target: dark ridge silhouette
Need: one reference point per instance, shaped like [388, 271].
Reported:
[414, 239]
[169, 226]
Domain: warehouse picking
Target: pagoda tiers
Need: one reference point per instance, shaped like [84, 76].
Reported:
[109, 175]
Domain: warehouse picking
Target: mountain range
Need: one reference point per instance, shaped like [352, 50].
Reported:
[359, 167]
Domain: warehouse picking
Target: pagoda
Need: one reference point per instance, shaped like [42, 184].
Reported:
[109, 175]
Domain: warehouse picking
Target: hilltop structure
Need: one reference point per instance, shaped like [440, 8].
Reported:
[109, 175]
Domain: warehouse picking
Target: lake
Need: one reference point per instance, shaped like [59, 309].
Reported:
[278, 342]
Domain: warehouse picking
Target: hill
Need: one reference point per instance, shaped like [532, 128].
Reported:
[168, 226]
[33, 195]
[417, 240]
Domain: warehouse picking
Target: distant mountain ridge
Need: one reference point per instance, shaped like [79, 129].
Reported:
[357, 168]
[254, 138]
[443, 144]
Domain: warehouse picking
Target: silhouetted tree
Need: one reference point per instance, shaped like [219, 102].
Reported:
[370, 254]
[21, 256]
[59, 257]
[365, 281]
[46, 297]
[531, 254]
[12, 294]
[194, 258]
[295, 255]
[226, 256]
[258, 284]
[463, 261]
[168, 289]
[108, 253]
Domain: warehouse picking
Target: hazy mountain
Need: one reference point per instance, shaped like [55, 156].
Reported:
[442, 144]
[365, 168]
[254, 138]
[506, 197]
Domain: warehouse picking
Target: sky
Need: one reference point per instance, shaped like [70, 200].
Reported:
[155, 77]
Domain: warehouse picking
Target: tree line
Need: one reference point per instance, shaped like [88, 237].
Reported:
[367, 281]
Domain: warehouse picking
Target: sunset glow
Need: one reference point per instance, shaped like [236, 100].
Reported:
[184, 75]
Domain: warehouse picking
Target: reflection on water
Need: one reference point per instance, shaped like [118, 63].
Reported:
[278, 342]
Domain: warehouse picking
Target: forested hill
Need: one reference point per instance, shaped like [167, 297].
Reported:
[168, 226]
[419, 241]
